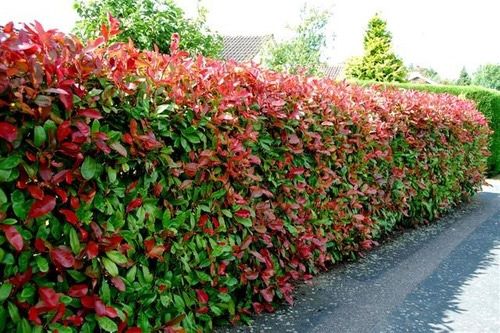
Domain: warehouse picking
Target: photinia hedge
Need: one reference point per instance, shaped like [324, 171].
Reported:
[142, 192]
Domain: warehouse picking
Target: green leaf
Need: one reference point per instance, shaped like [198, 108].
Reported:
[89, 168]
[148, 277]
[107, 324]
[111, 174]
[247, 222]
[117, 257]
[74, 241]
[131, 274]
[28, 291]
[110, 267]
[10, 162]
[5, 290]
[50, 127]
[13, 312]
[40, 136]
[3, 197]
[42, 264]
[19, 205]
[5, 175]
[24, 326]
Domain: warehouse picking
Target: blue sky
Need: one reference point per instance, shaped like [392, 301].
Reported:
[443, 34]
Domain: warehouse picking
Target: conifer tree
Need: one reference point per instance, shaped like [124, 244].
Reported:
[379, 63]
[464, 79]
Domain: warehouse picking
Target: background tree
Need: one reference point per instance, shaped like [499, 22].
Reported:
[488, 76]
[303, 52]
[148, 23]
[378, 63]
[464, 78]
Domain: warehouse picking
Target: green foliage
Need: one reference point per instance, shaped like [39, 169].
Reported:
[488, 76]
[378, 63]
[487, 102]
[303, 52]
[148, 23]
[464, 78]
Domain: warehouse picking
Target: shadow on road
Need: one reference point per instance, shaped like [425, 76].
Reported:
[434, 303]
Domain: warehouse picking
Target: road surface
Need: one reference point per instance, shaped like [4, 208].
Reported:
[444, 277]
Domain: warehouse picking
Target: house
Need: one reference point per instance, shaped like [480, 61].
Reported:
[245, 48]
[252, 48]
[416, 77]
[334, 72]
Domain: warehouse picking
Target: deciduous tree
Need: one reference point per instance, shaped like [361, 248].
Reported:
[148, 23]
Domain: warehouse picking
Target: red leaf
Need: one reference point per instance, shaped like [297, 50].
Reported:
[8, 131]
[152, 250]
[61, 308]
[243, 213]
[33, 316]
[70, 216]
[111, 312]
[157, 188]
[202, 296]
[78, 290]
[92, 250]
[20, 279]
[49, 297]
[88, 302]
[118, 283]
[134, 330]
[13, 237]
[63, 131]
[42, 207]
[62, 256]
[40, 245]
[90, 113]
[62, 194]
[35, 192]
[267, 294]
[137, 202]
[203, 220]
[67, 100]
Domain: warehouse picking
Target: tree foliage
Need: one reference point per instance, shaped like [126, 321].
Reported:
[488, 76]
[148, 23]
[303, 52]
[379, 63]
[464, 78]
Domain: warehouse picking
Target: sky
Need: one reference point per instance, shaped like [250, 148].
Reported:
[443, 34]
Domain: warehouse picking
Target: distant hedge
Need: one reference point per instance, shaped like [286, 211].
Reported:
[143, 192]
[487, 102]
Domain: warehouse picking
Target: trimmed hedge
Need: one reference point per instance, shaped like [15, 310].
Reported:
[148, 192]
[487, 102]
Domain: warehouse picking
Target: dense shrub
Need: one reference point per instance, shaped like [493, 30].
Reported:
[487, 102]
[142, 191]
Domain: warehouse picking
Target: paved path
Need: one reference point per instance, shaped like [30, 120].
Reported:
[439, 278]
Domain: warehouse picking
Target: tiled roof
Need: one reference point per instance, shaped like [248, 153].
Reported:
[243, 48]
[333, 72]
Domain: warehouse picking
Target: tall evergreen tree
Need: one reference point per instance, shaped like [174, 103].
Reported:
[464, 78]
[379, 63]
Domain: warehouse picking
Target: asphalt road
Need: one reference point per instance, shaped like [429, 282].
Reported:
[444, 277]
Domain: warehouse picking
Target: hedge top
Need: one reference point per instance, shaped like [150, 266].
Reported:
[486, 100]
